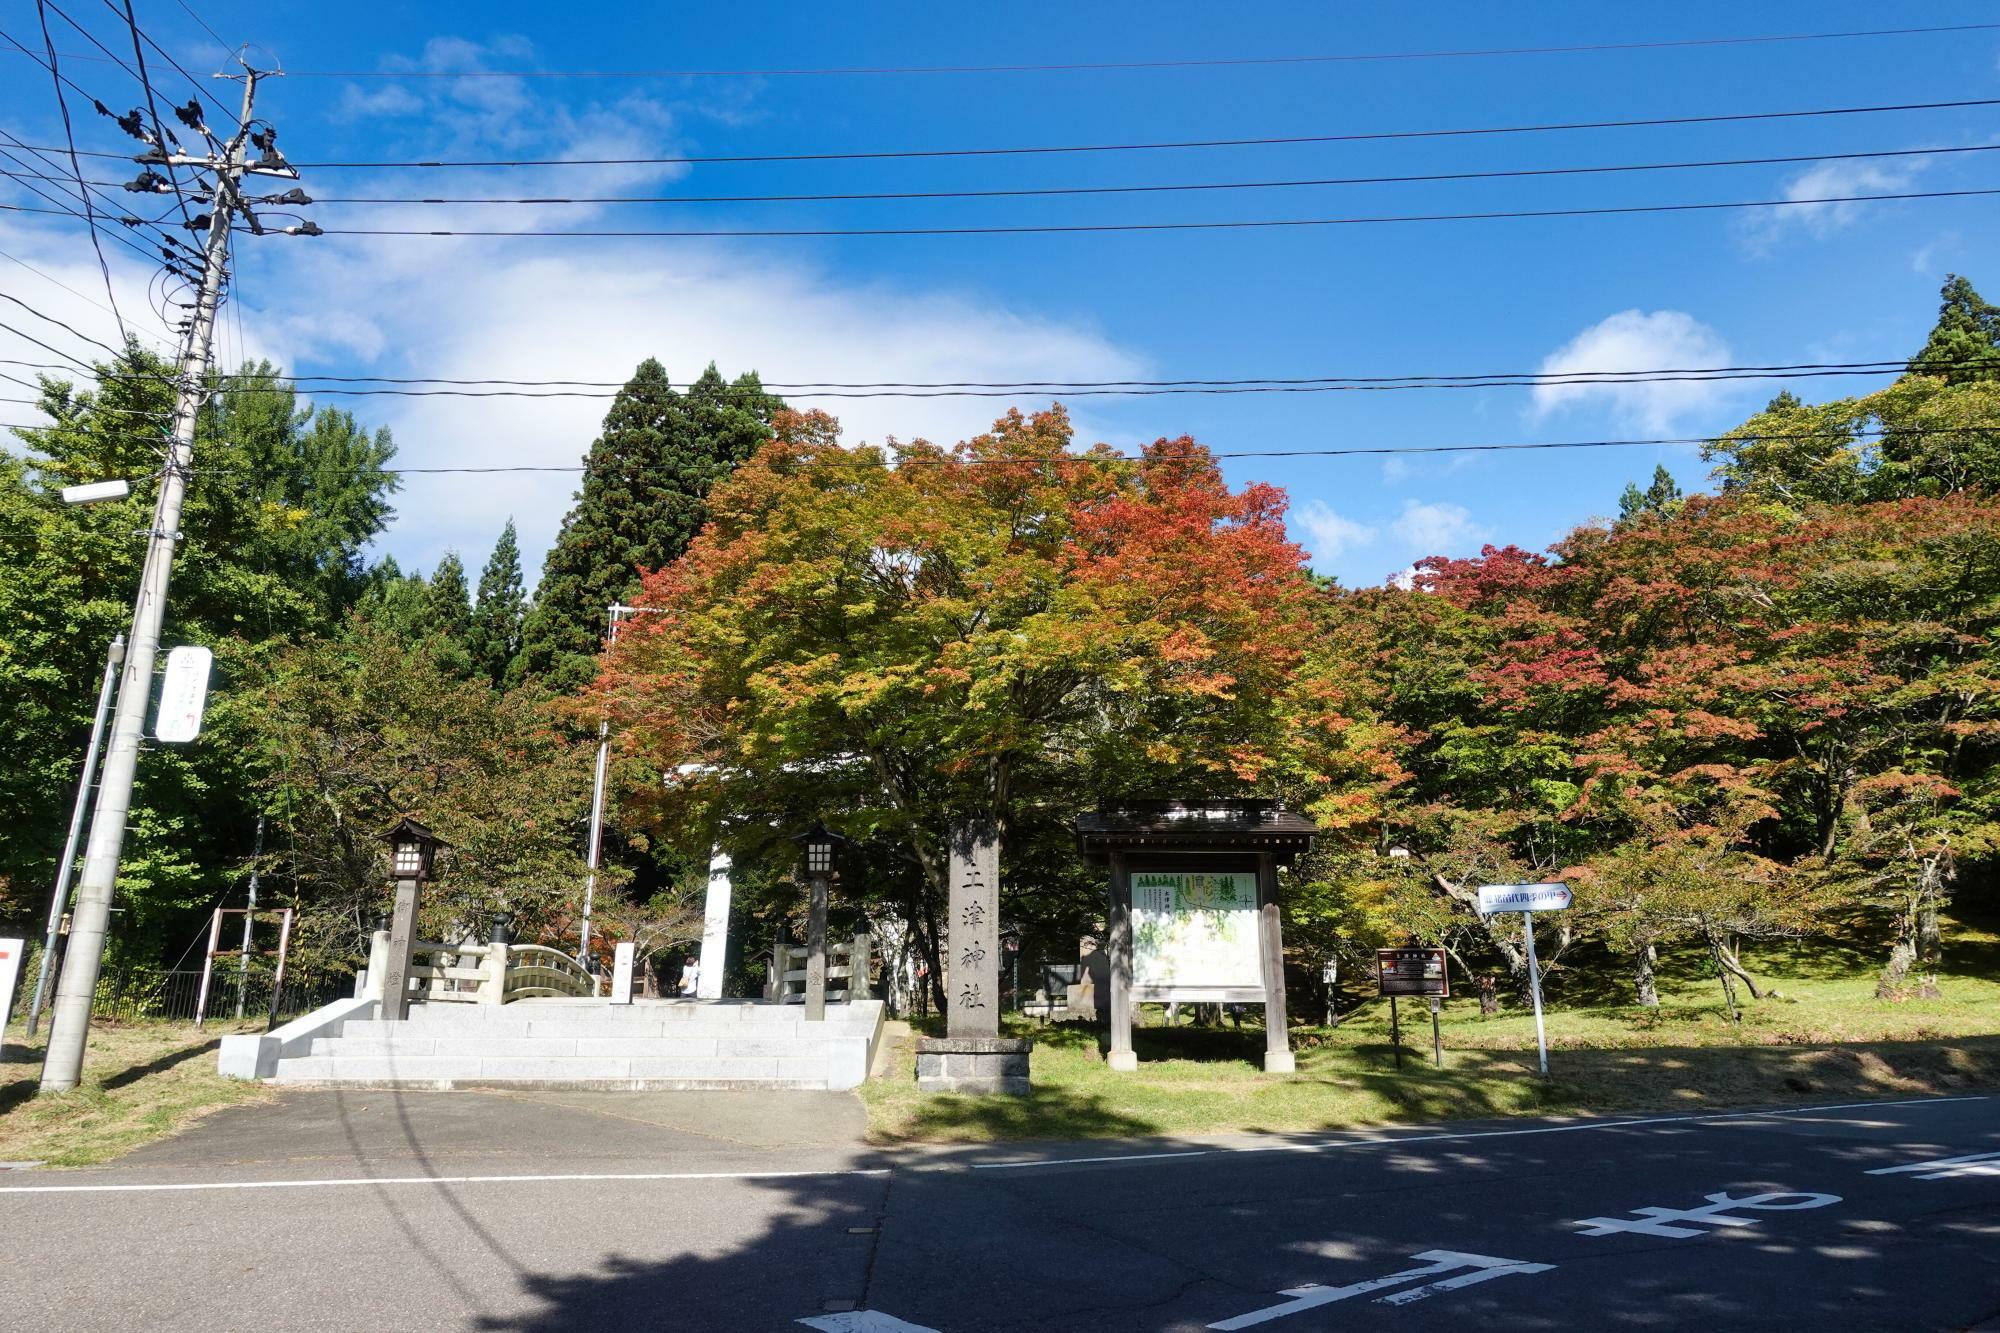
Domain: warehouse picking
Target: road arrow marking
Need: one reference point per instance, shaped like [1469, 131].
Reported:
[1656, 1221]
[863, 1321]
[1438, 1262]
[1973, 1164]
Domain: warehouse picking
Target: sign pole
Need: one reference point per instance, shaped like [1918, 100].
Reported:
[1437, 1041]
[1395, 1032]
[1535, 989]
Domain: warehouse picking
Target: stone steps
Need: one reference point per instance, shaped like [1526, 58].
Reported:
[592, 1043]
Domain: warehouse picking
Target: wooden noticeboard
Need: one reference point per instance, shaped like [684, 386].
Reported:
[1412, 972]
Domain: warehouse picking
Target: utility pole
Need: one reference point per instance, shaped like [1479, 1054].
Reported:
[84, 786]
[69, 1028]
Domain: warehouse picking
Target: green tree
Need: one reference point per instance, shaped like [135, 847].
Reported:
[495, 633]
[350, 732]
[283, 501]
[644, 497]
[1661, 498]
[1964, 347]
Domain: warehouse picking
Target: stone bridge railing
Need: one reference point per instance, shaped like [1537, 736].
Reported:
[483, 973]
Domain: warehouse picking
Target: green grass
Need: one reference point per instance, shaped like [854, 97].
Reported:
[1823, 1036]
[141, 1082]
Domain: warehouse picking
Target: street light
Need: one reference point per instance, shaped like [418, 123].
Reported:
[822, 848]
[412, 851]
[91, 492]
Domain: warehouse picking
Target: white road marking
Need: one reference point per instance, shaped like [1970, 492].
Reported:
[1654, 1221]
[1973, 1164]
[1446, 1136]
[1483, 1267]
[350, 1181]
[864, 1321]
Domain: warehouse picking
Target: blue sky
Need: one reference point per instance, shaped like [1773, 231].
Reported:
[1829, 283]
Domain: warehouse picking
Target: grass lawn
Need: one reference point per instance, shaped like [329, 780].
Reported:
[141, 1081]
[1822, 1037]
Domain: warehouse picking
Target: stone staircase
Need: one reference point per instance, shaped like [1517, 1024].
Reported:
[592, 1043]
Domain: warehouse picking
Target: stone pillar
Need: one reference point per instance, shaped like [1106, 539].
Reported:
[1270, 938]
[816, 952]
[1119, 951]
[858, 959]
[402, 939]
[714, 927]
[781, 961]
[973, 1056]
[377, 970]
[973, 962]
[624, 960]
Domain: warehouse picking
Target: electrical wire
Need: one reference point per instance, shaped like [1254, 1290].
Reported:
[69, 134]
[1107, 65]
[1054, 191]
[159, 130]
[601, 389]
[1247, 224]
[881, 460]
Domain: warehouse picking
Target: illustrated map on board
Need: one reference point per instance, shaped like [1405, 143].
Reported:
[1195, 929]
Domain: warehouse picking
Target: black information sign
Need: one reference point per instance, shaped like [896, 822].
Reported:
[1412, 972]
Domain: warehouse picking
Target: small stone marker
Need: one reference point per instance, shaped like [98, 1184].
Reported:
[973, 1056]
[622, 963]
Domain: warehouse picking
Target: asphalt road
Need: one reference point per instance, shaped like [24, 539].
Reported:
[463, 1211]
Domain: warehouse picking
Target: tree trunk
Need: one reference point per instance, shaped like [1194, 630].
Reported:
[1728, 982]
[1642, 976]
[1726, 957]
[1895, 977]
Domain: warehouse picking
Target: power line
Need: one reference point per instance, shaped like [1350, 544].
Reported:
[69, 135]
[1046, 229]
[1108, 65]
[1051, 191]
[557, 388]
[1087, 459]
[1261, 141]
[1048, 191]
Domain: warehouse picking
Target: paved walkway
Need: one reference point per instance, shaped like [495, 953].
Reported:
[383, 1132]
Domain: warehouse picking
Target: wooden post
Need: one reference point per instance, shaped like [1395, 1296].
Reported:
[1277, 1035]
[207, 968]
[1121, 1056]
[278, 977]
[1395, 1032]
[816, 952]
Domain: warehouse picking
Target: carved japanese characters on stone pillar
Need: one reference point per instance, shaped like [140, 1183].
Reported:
[974, 926]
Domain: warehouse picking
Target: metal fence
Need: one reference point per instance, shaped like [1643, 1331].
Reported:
[159, 993]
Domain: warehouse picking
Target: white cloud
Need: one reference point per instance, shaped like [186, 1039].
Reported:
[1635, 340]
[584, 309]
[1827, 180]
[1438, 527]
[1925, 260]
[1330, 534]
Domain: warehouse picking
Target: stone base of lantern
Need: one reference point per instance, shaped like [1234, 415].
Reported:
[973, 1064]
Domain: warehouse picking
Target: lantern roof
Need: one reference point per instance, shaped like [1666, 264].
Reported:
[407, 827]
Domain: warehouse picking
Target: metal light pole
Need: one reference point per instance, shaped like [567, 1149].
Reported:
[112, 660]
[614, 616]
[249, 920]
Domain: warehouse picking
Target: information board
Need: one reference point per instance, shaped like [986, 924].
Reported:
[1412, 972]
[1194, 930]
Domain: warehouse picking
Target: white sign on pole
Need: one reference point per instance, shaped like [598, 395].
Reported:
[11, 952]
[1527, 899]
[1522, 898]
[183, 695]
